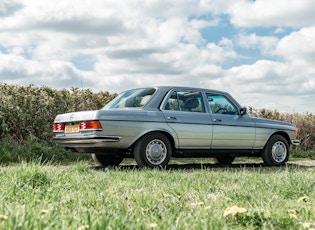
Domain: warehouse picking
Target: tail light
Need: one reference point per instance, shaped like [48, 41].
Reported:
[75, 128]
[58, 127]
[90, 125]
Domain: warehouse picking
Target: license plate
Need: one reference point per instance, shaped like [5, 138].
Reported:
[72, 129]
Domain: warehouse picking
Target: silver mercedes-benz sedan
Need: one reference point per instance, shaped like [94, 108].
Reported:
[156, 123]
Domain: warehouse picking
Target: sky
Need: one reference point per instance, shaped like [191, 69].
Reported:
[262, 52]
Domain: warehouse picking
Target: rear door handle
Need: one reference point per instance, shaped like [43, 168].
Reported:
[217, 120]
[171, 118]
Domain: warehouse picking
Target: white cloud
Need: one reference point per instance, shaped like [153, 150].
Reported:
[266, 44]
[135, 43]
[272, 13]
[221, 52]
[279, 30]
[298, 46]
[8, 7]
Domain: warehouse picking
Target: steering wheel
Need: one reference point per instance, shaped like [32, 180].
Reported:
[221, 109]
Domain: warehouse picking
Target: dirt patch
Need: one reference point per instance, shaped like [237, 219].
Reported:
[305, 163]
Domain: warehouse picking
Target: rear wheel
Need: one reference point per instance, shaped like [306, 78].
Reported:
[153, 150]
[106, 160]
[276, 151]
[226, 160]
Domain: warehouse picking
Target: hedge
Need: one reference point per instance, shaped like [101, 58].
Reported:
[29, 111]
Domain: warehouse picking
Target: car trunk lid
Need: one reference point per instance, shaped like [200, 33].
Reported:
[76, 116]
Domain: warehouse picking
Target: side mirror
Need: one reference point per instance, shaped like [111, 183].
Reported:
[243, 111]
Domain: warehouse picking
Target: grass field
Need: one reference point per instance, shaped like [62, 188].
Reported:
[199, 195]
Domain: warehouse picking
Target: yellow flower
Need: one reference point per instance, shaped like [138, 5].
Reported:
[152, 225]
[3, 217]
[197, 204]
[83, 227]
[234, 210]
[308, 225]
[44, 211]
[292, 213]
[303, 198]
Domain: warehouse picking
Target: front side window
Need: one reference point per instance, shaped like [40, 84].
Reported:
[131, 98]
[188, 101]
[219, 104]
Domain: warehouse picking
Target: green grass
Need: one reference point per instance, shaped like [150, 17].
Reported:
[78, 196]
[39, 151]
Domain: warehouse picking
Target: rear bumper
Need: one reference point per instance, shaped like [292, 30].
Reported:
[85, 141]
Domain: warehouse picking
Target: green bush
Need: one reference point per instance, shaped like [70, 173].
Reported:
[299, 153]
[29, 111]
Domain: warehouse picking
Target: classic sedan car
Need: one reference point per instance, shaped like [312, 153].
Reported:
[154, 124]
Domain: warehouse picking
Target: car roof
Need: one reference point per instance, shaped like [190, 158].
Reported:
[163, 90]
[167, 88]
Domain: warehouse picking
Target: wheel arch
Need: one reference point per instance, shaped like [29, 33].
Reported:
[169, 136]
[276, 152]
[282, 133]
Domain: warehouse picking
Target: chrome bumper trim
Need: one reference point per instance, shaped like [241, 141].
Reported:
[88, 139]
[295, 142]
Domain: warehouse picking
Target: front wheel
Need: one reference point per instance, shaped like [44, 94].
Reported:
[106, 160]
[276, 151]
[153, 150]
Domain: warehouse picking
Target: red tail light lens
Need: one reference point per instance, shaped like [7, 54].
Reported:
[90, 125]
[58, 127]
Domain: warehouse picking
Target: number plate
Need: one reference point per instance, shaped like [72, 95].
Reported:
[72, 129]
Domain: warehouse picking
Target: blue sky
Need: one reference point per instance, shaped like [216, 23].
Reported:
[262, 52]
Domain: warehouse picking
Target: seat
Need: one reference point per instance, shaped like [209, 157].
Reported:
[191, 103]
[145, 99]
[167, 106]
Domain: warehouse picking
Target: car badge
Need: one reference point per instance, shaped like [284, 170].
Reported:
[71, 117]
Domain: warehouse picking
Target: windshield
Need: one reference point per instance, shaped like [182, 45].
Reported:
[131, 98]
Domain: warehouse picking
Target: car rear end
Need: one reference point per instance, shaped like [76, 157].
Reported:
[81, 131]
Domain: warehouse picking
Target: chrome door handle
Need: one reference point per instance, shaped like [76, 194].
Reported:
[171, 118]
[217, 120]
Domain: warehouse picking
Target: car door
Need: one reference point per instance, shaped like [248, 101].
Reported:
[230, 129]
[185, 113]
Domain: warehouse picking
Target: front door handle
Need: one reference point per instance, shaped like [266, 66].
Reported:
[217, 120]
[171, 118]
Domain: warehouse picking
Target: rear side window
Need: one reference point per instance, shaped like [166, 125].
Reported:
[131, 98]
[219, 104]
[188, 101]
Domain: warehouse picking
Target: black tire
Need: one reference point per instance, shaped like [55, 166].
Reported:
[225, 160]
[107, 160]
[153, 150]
[276, 151]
